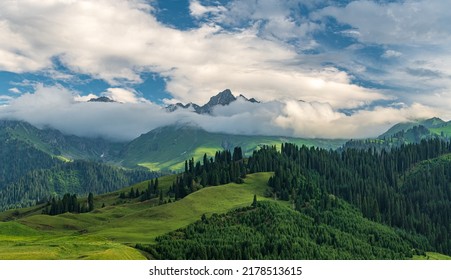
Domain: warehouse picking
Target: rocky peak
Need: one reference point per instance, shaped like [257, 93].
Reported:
[101, 99]
[223, 98]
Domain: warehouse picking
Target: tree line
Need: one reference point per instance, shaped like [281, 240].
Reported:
[69, 203]
[225, 167]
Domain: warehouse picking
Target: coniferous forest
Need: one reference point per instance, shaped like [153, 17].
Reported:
[81, 177]
[406, 189]
[268, 230]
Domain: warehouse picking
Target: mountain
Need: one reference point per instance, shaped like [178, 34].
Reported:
[166, 148]
[173, 107]
[77, 177]
[38, 163]
[55, 143]
[101, 99]
[223, 98]
[18, 157]
[428, 123]
[405, 133]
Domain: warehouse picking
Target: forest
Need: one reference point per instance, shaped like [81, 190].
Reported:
[77, 177]
[406, 188]
[267, 230]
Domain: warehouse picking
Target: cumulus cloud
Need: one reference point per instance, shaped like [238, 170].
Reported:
[117, 40]
[58, 107]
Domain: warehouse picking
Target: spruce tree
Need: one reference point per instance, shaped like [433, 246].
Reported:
[254, 202]
[90, 202]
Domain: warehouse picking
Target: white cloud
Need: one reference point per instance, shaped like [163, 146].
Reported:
[198, 10]
[391, 54]
[5, 98]
[404, 22]
[117, 40]
[417, 43]
[58, 107]
[84, 98]
[14, 90]
[122, 95]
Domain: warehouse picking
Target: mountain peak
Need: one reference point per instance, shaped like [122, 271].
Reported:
[223, 98]
[432, 122]
[101, 99]
[252, 100]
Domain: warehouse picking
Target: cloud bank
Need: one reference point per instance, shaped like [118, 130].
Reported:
[58, 108]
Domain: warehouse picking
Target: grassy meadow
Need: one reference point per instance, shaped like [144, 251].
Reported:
[112, 231]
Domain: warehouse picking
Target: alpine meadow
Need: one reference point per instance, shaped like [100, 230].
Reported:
[225, 130]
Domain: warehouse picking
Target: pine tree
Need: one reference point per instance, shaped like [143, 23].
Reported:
[160, 201]
[90, 202]
[254, 202]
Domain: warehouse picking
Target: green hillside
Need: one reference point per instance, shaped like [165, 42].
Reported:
[168, 147]
[405, 133]
[271, 231]
[106, 232]
[162, 149]
[112, 231]
[78, 177]
[433, 123]
[55, 143]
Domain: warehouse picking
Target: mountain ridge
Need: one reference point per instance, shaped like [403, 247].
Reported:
[223, 98]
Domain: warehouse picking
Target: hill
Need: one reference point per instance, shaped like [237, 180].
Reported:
[322, 207]
[55, 143]
[106, 232]
[428, 123]
[405, 133]
[271, 231]
[77, 177]
[167, 148]
[230, 224]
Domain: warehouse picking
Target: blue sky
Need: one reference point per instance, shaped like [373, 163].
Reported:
[352, 62]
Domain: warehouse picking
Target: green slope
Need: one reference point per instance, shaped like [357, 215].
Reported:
[168, 147]
[106, 232]
[424, 129]
[270, 231]
[54, 142]
[112, 232]
[433, 123]
[164, 148]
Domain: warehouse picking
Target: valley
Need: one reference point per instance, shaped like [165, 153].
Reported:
[345, 199]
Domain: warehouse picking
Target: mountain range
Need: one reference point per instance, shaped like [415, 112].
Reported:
[164, 149]
[223, 98]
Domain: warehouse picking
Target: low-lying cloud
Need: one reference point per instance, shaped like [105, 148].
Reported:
[58, 108]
